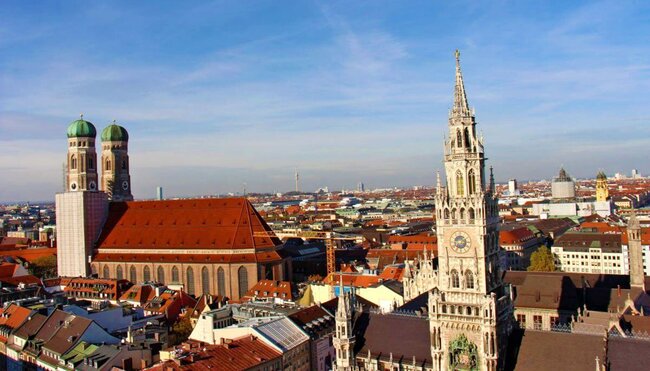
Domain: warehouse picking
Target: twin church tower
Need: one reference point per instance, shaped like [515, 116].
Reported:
[81, 169]
[82, 208]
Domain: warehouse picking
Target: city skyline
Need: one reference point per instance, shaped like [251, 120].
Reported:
[211, 105]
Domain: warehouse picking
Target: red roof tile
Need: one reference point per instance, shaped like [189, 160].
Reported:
[213, 223]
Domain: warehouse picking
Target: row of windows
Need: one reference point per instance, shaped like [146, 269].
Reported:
[242, 276]
[82, 144]
[90, 162]
[455, 279]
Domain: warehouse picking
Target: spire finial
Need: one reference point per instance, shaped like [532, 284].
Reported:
[461, 107]
[438, 183]
[81, 116]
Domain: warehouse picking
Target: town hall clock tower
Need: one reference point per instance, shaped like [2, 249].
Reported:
[470, 310]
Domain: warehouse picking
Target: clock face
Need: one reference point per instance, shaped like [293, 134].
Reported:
[460, 242]
[125, 185]
[92, 186]
[73, 186]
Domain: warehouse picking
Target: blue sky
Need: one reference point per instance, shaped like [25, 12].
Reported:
[217, 94]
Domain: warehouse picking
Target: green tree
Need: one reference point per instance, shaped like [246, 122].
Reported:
[43, 267]
[542, 260]
[182, 329]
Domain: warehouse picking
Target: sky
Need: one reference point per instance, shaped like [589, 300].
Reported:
[225, 94]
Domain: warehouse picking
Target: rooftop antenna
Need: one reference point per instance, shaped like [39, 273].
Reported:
[297, 181]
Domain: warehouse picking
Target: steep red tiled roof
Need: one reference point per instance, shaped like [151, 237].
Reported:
[12, 317]
[139, 293]
[270, 289]
[212, 223]
[239, 354]
[515, 236]
[351, 279]
[392, 273]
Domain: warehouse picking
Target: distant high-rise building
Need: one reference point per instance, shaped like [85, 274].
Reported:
[512, 187]
[159, 193]
[297, 181]
[635, 174]
[361, 187]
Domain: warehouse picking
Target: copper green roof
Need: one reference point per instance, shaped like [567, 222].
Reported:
[81, 129]
[114, 133]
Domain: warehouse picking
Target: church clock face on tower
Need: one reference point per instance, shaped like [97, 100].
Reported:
[125, 185]
[460, 242]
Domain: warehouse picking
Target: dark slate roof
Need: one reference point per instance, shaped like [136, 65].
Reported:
[545, 350]
[548, 292]
[402, 335]
[419, 303]
[628, 354]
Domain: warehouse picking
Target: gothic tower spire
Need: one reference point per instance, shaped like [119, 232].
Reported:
[461, 108]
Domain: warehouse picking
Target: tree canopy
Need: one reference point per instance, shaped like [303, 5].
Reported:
[542, 260]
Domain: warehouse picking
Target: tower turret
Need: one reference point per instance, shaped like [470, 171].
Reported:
[602, 191]
[344, 338]
[116, 179]
[81, 169]
[637, 274]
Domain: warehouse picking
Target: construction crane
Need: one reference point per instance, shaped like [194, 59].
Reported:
[328, 237]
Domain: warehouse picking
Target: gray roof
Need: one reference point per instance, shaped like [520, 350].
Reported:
[283, 333]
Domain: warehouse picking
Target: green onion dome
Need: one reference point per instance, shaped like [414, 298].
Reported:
[81, 129]
[115, 133]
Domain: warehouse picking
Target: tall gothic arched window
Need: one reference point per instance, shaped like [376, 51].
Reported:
[462, 214]
[205, 280]
[106, 272]
[132, 275]
[221, 282]
[471, 213]
[455, 279]
[471, 182]
[459, 138]
[73, 162]
[466, 138]
[146, 274]
[469, 279]
[242, 277]
[123, 164]
[108, 164]
[119, 274]
[460, 184]
[160, 275]
[190, 280]
[175, 276]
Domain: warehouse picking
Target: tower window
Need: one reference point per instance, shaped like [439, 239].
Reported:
[459, 138]
[123, 164]
[471, 182]
[73, 162]
[466, 138]
[471, 213]
[108, 165]
[460, 184]
[469, 279]
[455, 279]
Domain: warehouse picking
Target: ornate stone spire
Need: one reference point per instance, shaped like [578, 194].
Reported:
[461, 108]
[492, 186]
[438, 183]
